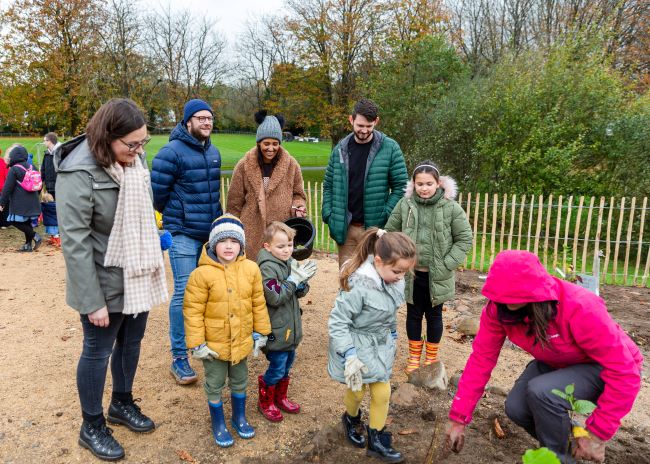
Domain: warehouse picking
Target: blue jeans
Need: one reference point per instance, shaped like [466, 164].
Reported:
[184, 256]
[280, 363]
[120, 342]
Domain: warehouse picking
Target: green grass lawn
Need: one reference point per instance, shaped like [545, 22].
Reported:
[231, 146]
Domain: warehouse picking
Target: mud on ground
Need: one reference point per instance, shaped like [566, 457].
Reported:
[41, 340]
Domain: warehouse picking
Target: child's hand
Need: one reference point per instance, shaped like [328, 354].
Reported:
[259, 342]
[204, 353]
[393, 333]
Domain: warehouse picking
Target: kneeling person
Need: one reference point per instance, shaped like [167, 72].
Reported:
[223, 305]
[284, 282]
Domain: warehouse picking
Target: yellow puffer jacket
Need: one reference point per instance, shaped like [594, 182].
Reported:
[223, 305]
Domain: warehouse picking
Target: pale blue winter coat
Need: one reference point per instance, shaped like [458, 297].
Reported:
[363, 318]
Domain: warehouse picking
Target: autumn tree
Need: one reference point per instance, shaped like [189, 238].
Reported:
[50, 51]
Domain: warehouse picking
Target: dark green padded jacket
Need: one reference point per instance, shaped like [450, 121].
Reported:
[442, 235]
[385, 182]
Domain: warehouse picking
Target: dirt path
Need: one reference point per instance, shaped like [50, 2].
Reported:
[39, 411]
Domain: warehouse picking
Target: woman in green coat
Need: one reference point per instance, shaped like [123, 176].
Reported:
[439, 227]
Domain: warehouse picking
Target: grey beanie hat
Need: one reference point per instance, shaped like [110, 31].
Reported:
[270, 128]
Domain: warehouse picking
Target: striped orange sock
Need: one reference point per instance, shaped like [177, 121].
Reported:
[431, 353]
[415, 351]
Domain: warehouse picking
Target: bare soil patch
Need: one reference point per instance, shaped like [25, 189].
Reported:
[39, 410]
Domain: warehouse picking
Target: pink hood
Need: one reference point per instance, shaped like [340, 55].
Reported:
[582, 332]
[518, 277]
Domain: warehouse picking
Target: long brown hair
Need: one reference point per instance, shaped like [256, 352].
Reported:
[390, 247]
[114, 119]
[539, 315]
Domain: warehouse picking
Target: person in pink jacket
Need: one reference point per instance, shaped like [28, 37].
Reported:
[572, 339]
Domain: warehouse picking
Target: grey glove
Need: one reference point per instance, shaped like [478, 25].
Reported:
[204, 353]
[300, 274]
[354, 369]
[259, 342]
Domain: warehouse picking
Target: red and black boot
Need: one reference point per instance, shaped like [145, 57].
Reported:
[266, 403]
[281, 400]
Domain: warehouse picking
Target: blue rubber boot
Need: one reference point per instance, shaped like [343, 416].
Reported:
[239, 422]
[219, 431]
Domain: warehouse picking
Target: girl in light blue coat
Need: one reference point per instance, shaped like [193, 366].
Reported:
[363, 333]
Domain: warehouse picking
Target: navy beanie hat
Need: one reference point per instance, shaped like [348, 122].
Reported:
[194, 106]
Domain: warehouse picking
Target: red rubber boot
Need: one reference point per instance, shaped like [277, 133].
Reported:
[265, 402]
[281, 400]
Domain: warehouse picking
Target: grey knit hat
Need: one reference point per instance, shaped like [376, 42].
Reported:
[270, 127]
[227, 226]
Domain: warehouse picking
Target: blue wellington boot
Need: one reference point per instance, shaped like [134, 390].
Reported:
[239, 422]
[219, 431]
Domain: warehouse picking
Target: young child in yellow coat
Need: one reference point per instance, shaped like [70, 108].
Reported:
[224, 309]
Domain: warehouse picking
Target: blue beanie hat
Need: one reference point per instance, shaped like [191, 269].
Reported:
[194, 106]
[227, 226]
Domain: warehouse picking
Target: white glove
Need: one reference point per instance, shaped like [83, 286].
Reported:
[353, 373]
[259, 342]
[300, 274]
[204, 353]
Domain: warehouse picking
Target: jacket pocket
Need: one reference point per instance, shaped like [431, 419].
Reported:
[215, 330]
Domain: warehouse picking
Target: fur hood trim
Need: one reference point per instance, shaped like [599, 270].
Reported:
[367, 276]
[447, 183]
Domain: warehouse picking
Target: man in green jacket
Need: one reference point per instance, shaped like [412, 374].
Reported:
[365, 178]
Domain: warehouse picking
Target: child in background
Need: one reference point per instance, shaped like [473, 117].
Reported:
[363, 333]
[223, 305]
[284, 282]
[442, 234]
[48, 209]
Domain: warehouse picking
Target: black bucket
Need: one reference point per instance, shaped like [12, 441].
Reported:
[303, 242]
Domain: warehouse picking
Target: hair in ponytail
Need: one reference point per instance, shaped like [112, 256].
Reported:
[389, 246]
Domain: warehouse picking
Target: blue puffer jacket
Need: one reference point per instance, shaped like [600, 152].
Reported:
[186, 182]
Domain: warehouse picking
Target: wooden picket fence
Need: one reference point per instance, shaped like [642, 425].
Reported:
[565, 232]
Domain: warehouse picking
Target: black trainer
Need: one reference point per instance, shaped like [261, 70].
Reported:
[354, 429]
[99, 440]
[128, 413]
[379, 446]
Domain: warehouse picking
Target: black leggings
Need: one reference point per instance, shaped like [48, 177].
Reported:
[26, 228]
[422, 307]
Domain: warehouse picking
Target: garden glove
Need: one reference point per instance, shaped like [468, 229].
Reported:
[259, 342]
[299, 274]
[311, 267]
[204, 353]
[165, 239]
[354, 369]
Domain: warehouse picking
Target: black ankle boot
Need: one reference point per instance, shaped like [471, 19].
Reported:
[351, 426]
[128, 413]
[379, 446]
[99, 440]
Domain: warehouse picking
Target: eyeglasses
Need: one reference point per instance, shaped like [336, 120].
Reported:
[134, 146]
[204, 119]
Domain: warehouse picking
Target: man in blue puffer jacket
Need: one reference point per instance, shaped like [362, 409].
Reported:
[186, 177]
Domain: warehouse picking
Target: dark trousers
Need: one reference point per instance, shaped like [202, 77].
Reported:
[544, 415]
[120, 342]
[280, 363]
[3, 217]
[422, 307]
[26, 228]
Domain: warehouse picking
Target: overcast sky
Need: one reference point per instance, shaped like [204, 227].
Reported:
[232, 14]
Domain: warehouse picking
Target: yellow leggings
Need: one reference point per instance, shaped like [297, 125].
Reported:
[379, 402]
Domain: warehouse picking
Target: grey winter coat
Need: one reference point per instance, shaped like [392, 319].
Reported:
[363, 318]
[442, 235]
[86, 200]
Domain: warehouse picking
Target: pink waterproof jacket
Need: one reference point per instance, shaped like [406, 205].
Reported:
[582, 332]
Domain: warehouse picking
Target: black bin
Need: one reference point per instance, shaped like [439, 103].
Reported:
[303, 242]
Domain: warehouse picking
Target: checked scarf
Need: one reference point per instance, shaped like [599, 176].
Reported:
[134, 244]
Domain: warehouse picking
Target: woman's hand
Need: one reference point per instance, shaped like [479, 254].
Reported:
[99, 317]
[299, 211]
[455, 436]
[590, 448]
